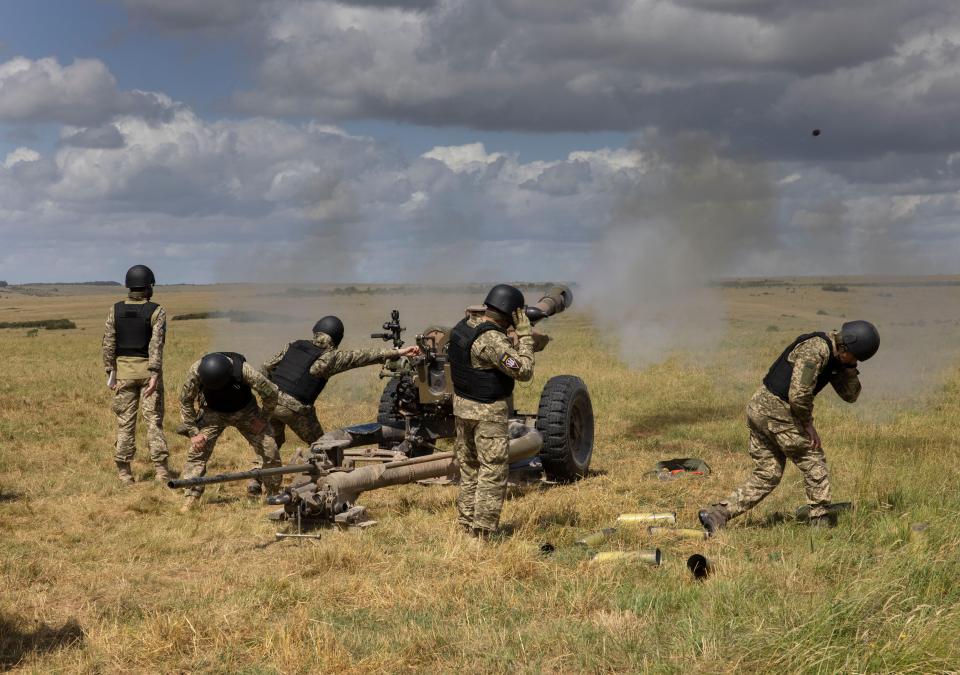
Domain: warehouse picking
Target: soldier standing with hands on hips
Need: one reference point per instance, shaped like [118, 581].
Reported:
[485, 364]
[133, 341]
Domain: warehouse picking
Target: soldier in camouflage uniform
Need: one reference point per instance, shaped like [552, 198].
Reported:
[780, 419]
[301, 371]
[133, 358]
[485, 364]
[224, 383]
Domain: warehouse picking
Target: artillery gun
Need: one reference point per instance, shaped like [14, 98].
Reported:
[416, 406]
[415, 411]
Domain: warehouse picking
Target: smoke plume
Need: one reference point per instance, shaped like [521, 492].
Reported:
[693, 217]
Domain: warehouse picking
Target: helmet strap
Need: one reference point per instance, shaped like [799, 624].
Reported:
[498, 317]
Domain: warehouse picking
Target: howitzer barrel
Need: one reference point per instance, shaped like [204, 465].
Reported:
[259, 474]
[554, 301]
[349, 484]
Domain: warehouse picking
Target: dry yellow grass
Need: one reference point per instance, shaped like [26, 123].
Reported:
[97, 578]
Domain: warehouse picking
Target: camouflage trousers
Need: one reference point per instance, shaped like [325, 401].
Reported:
[302, 419]
[773, 440]
[483, 457]
[212, 424]
[128, 398]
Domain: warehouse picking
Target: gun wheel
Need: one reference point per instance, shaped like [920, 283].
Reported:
[387, 414]
[565, 418]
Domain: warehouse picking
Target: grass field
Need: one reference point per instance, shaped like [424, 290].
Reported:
[99, 578]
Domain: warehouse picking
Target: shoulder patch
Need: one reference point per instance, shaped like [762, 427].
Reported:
[809, 374]
[510, 362]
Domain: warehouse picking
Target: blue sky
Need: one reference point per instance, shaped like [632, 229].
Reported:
[347, 139]
[205, 73]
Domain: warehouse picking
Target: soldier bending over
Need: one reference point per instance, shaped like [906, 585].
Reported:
[780, 419]
[224, 382]
[301, 371]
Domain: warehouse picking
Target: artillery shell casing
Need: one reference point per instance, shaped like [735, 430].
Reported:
[681, 532]
[597, 538]
[669, 518]
[700, 566]
[651, 557]
[918, 533]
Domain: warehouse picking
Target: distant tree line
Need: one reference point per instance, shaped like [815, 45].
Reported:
[49, 324]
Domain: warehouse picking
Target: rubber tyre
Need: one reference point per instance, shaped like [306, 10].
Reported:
[385, 414]
[565, 418]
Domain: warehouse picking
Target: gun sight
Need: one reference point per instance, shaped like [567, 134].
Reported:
[392, 330]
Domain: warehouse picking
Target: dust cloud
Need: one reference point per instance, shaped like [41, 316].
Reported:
[694, 217]
[918, 319]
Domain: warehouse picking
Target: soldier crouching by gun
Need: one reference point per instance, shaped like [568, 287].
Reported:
[301, 371]
[224, 383]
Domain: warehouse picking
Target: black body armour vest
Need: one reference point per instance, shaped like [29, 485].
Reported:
[781, 372]
[133, 328]
[292, 375]
[236, 395]
[477, 384]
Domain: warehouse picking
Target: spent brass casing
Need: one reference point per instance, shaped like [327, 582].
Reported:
[648, 517]
[651, 556]
[918, 533]
[681, 532]
[597, 538]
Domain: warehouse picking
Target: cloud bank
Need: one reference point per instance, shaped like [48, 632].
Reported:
[279, 190]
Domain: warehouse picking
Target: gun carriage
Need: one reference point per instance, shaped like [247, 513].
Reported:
[553, 445]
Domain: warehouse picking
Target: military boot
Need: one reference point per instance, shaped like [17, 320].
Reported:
[124, 473]
[161, 473]
[713, 518]
[189, 503]
[254, 488]
[493, 536]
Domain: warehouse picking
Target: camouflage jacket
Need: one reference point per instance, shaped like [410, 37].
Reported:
[334, 360]
[493, 349]
[809, 358]
[134, 367]
[191, 393]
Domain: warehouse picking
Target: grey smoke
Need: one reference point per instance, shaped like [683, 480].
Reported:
[695, 216]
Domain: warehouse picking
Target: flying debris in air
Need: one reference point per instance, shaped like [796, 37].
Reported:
[816, 132]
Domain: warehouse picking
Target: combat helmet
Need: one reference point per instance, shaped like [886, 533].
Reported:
[332, 326]
[860, 338]
[504, 298]
[139, 277]
[215, 371]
